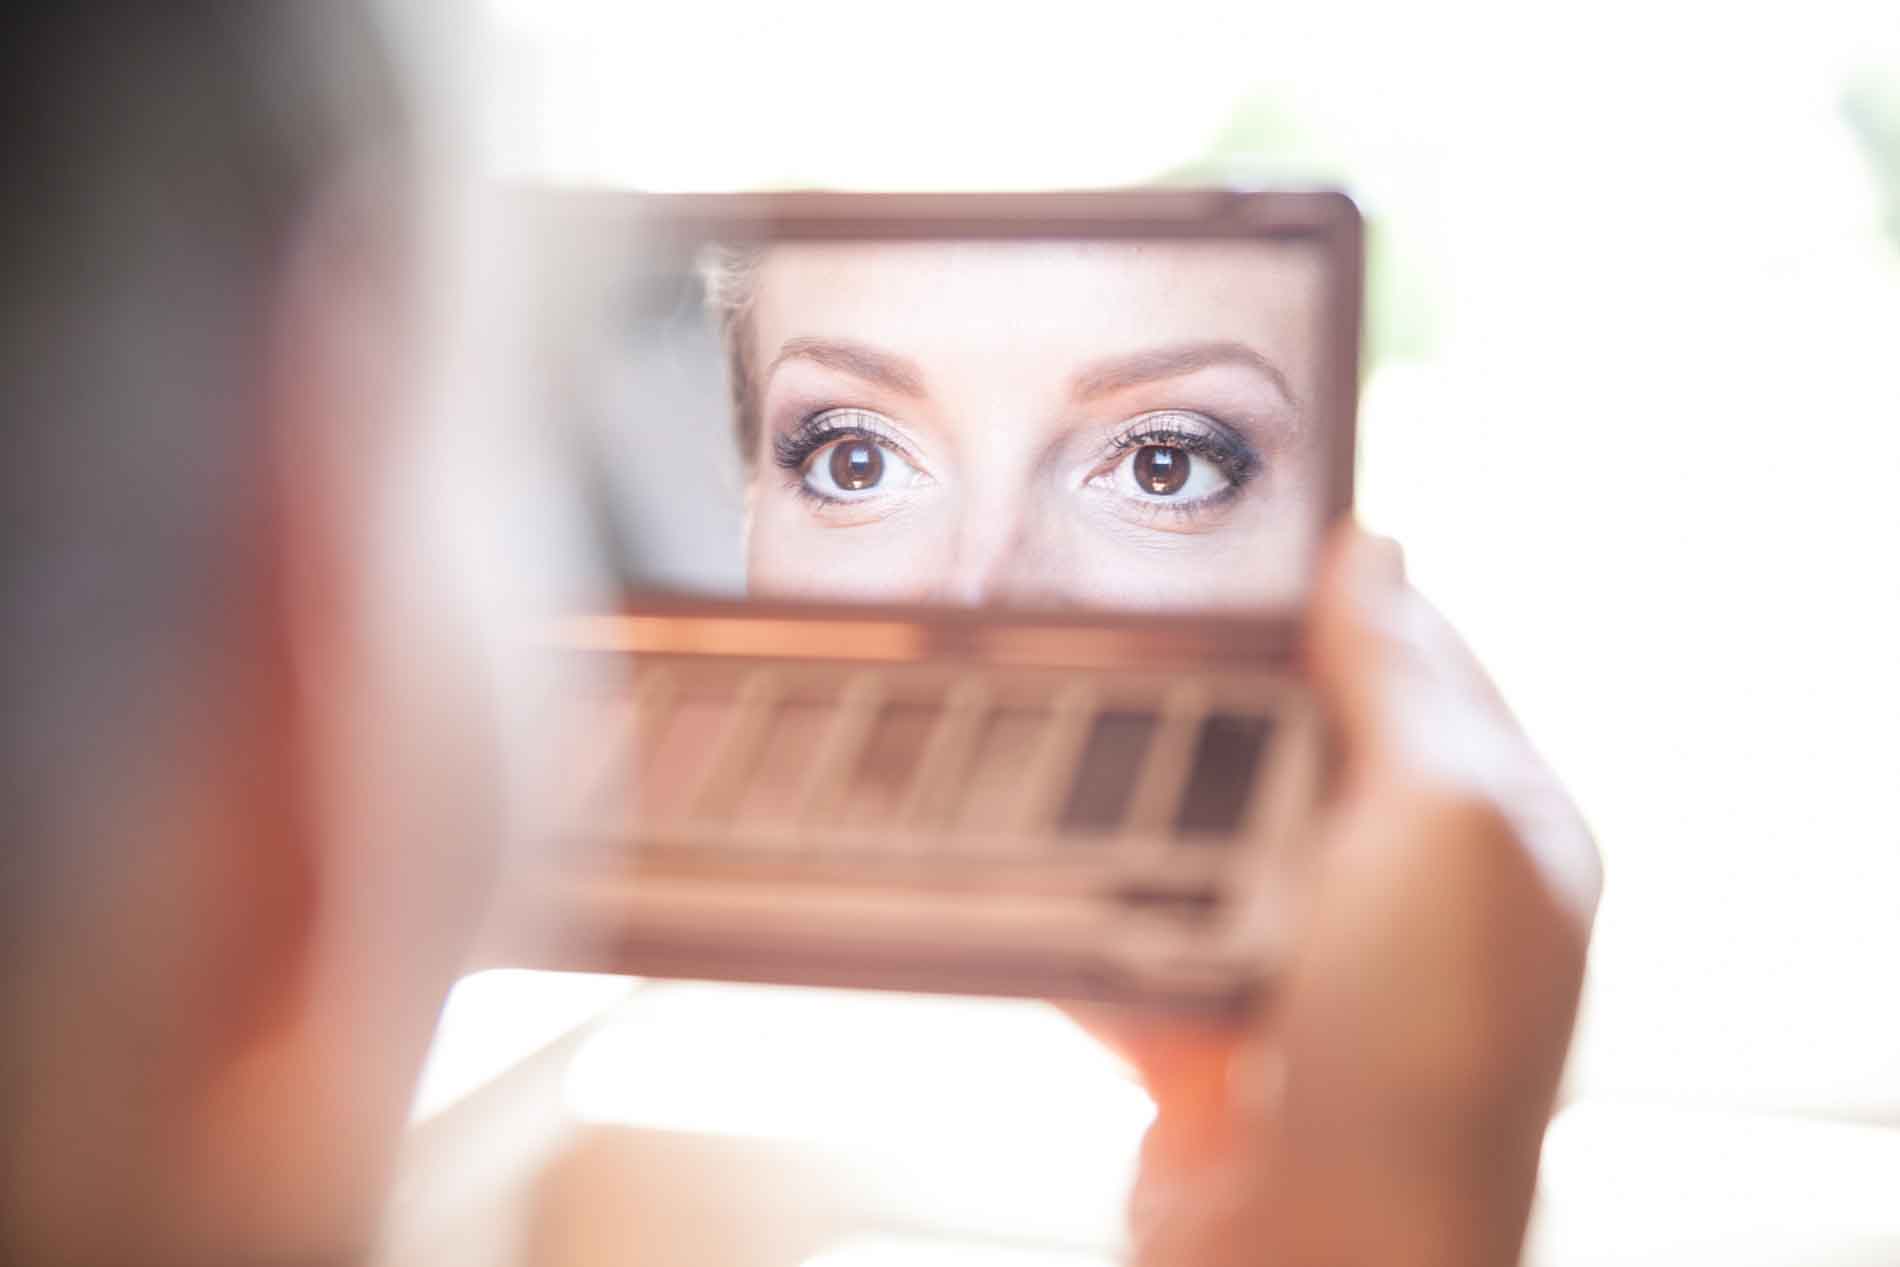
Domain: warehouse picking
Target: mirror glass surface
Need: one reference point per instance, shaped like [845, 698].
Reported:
[1127, 422]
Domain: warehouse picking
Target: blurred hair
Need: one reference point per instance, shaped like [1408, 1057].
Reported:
[160, 158]
[730, 275]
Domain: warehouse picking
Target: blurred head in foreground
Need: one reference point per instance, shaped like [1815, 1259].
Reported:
[244, 814]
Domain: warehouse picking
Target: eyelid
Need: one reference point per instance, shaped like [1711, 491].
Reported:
[794, 448]
[1157, 421]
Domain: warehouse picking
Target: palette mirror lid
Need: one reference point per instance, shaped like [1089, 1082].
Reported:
[1077, 408]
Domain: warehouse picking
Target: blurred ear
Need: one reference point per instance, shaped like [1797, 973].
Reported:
[329, 1009]
[327, 408]
[342, 351]
[171, 1007]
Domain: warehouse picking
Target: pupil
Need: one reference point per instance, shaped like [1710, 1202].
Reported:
[1161, 468]
[857, 465]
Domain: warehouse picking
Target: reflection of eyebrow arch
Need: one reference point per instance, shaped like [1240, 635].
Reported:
[1174, 361]
[860, 360]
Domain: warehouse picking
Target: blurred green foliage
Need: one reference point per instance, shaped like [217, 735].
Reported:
[1268, 141]
[1871, 106]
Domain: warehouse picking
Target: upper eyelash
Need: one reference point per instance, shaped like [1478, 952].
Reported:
[794, 448]
[1219, 443]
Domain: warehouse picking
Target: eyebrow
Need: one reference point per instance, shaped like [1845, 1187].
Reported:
[1173, 361]
[860, 360]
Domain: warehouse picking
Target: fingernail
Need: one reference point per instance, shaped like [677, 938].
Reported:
[1378, 562]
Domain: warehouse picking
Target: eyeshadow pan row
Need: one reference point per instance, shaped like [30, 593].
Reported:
[1111, 812]
[796, 757]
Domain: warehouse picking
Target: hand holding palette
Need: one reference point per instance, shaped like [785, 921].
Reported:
[957, 550]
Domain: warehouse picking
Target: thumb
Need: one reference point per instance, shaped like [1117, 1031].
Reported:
[1349, 652]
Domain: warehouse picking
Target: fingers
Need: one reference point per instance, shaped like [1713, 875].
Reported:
[1394, 669]
[1451, 916]
[1421, 1028]
[1421, 723]
[1360, 582]
[1426, 1017]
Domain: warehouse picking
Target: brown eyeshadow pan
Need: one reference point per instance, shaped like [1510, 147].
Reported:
[1106, 775]
[676, 750]
[992, 783]
[874, 791]
[1227, 755]
[771, 790]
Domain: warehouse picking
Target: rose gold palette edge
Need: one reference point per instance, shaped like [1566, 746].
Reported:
[1076, 804]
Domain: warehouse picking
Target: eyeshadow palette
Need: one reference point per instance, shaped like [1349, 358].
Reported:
[1106, 810]
[949, 551]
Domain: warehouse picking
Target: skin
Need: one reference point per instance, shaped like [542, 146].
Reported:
[995, 382]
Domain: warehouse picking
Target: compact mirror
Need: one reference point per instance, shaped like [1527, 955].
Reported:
[1112, 401]
[953, 550]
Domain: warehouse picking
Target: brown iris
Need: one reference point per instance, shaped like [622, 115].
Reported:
[1160, 468]
[856, 464]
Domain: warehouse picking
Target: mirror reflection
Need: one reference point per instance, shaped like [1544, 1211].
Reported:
[1049, 422]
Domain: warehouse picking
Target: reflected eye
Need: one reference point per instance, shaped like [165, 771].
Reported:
[1173, 474]
[857, 468]
[846, 455]
[1176, 460]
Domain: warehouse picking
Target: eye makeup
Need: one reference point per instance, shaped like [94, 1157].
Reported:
[1236, 457]
[876, 461]
[980, 809]
[1180, 464]
[1176, 470]
[1106, 774]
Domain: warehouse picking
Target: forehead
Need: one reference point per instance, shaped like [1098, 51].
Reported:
[1077, 297]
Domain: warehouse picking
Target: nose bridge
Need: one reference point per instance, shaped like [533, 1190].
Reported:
[1000, 544]
[1000, 549]
[992, 545]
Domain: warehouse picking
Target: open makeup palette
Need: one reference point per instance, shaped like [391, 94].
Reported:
[1050, 798]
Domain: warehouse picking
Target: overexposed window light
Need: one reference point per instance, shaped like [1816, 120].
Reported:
[972, 1116]
[1651, 1185]
[493, 1020]
[840, 1065]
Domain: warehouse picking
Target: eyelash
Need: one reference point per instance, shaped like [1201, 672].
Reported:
[1200, 435]
[1197, 434]
[792, 451]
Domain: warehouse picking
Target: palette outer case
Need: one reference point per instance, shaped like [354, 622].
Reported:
[596, 905]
